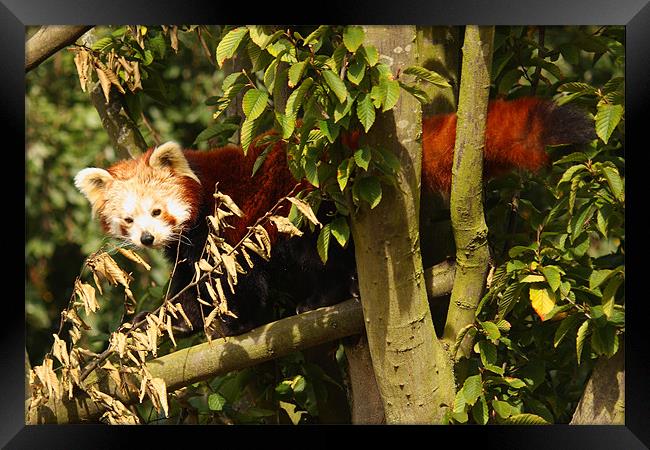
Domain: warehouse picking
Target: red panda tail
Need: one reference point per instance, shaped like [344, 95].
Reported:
[517, 134]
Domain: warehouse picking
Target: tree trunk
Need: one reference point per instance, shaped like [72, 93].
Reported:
[467, 218]
[413, 372]
[603, 401]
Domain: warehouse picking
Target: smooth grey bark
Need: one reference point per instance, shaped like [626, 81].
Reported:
[48, 40]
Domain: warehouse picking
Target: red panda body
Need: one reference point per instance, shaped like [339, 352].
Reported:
[167, 192]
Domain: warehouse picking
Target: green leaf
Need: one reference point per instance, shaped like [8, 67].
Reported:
[472, 389]
[336, 84]
[488, 352]
[295, 73]
[387, 159]
[216, 402]
[389, 91]
[365, 112]
[369, 190]
[614, 181]
[570, 172]
[416, 92]
[526, 419]
[315, 35]
[343, 172]
[254, 103]
[565, 326]
[553, 276]
[503, 409]
[323, 242]
[573, 157]
[604, 341]
[513, 382]
[340, 230]
[607, 117]
[427, 75]
[269, 75]
[227, 129]
[362, 158]
[356, 72]
[329, 129]
[580, 338]
[353, 38]
[583, 216]
[480, 411]
[370, 54]
[247, 133]
[103, 44]
[532, 279]
[491, 331]
[293, 105]
[260, 159]
[228, 45]
[311, 171]
[609, 295]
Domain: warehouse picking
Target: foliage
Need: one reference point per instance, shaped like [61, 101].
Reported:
[556, 300]
[556, 296]
[338, 85]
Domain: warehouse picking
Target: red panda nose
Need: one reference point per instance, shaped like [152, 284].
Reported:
[146, 238]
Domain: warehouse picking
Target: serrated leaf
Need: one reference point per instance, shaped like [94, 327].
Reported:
[356, 72]
[329, 129]
[343, 172]
[295, 73]
[362, 158]
[370, 54]
[427, 75]
[353, 37]
[503, 409]
[336, 84]
[565, 326]
[340, 230]
[472, 388]
[247, 133]
[416, 92]
[543, 300]
[228, 45]
[254, 103]
[614, 181]
[390, 91]
[553, 276]
[607, 118]
[487, 351]
[365, 112]
[570, 172]
[480, 411]
[227, 129]
[580, 338]
[491, 331]
[369, 190]
[526, 419]
[216, 402]
[609, 295]
[323, 242]
[315, 35]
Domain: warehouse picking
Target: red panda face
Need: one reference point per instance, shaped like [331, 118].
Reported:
[147, 201]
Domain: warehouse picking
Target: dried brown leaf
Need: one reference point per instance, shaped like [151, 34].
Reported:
[133, 256]
[60, 351]
[285, 226]
[230, 204]
[305, 209]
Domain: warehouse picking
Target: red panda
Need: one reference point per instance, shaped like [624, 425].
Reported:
[161, 199]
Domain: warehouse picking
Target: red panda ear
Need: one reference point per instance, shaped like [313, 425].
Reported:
[92, 183]
[171, 156]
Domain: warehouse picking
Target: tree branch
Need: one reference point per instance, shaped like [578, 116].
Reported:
[122, 131]
[208, 360]
[466, 202]
[48, 40]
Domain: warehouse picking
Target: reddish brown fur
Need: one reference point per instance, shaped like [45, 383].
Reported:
[515, 137]
[254, 195]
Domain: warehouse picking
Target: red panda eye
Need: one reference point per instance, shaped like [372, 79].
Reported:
[155, 212]
[128, 220]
